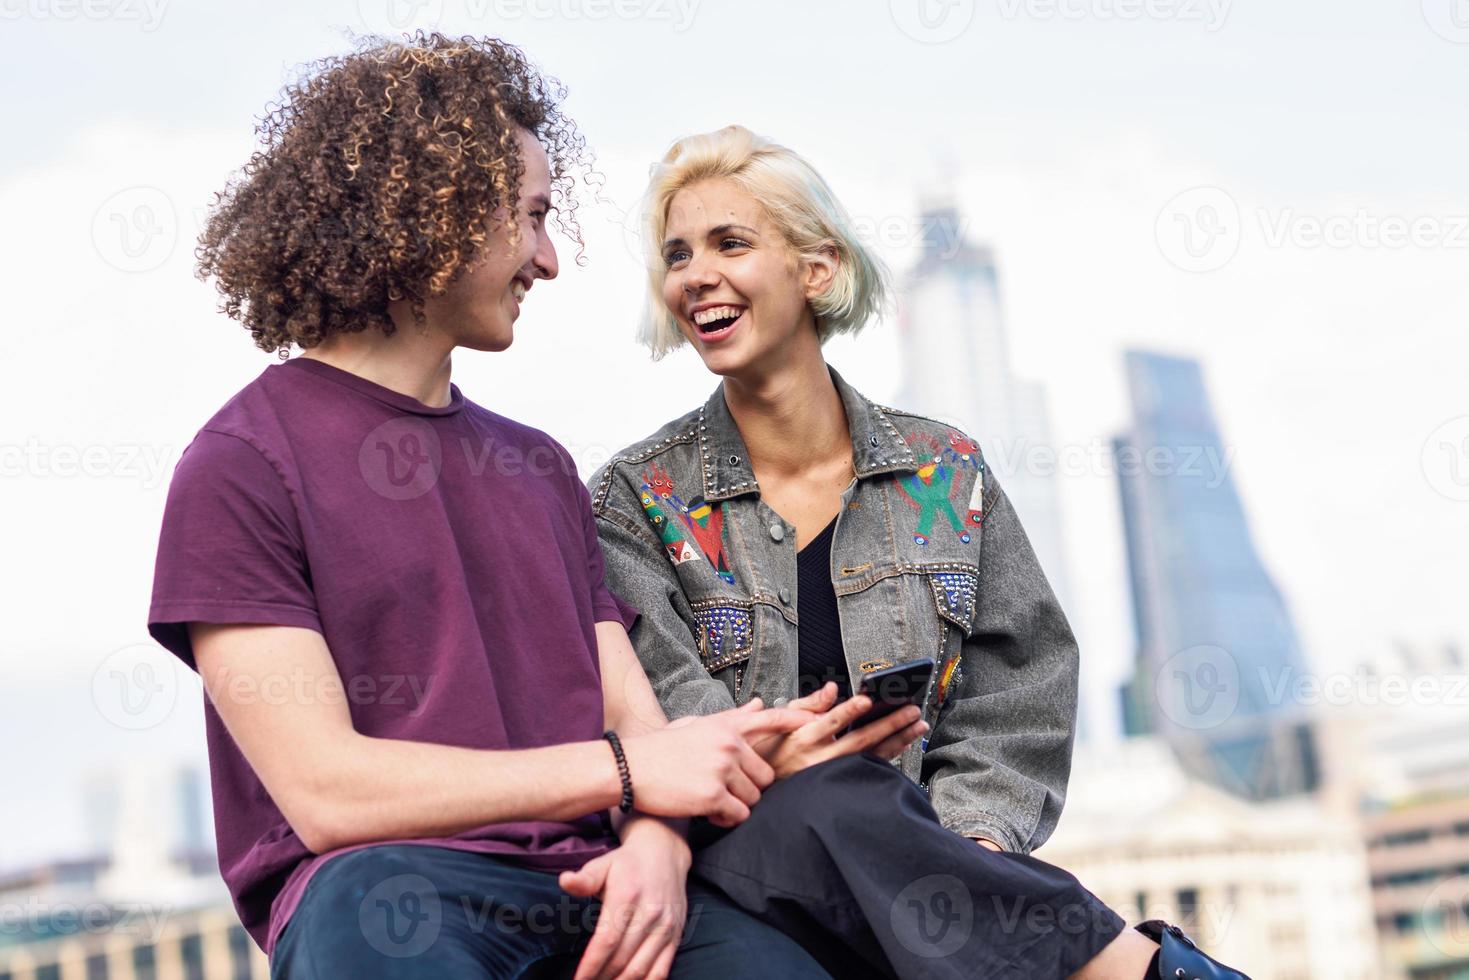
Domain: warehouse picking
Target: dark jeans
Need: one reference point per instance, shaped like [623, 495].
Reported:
[850, 858]
[410, 910]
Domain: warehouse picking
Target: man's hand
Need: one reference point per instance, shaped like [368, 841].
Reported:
[641, 885]
[705, 767]
[819, 739]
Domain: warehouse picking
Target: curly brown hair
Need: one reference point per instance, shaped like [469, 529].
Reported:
[377, 180]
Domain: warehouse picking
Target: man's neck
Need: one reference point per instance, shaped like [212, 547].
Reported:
[792, 418]
[413, 361]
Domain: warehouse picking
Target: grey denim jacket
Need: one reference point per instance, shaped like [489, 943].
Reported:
[927, 559]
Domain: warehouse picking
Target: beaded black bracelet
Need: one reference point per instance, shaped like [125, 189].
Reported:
[626, 805]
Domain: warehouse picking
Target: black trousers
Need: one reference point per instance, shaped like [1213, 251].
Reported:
[849, 858]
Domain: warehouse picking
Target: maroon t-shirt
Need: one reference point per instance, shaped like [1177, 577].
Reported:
[448, 556]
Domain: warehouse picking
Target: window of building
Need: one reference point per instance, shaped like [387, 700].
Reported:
[240, 953]
[145, 962]
[1188, 907]
[191, 951]
[97, 966]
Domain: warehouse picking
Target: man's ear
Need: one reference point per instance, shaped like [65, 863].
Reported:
[821, 271]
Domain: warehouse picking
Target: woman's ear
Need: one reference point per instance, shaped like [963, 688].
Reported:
[821, 271]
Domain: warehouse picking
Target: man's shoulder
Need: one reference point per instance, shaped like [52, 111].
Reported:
[246, 425]
[674, 448]
[265, 409]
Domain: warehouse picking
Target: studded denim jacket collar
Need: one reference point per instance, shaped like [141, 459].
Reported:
[877, 446]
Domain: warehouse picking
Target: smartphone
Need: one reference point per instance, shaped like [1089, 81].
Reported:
[894, 687]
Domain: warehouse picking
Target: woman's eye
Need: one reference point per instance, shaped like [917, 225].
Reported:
[671, 259]
[733, 243]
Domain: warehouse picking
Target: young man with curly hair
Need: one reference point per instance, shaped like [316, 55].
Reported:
[395, 598]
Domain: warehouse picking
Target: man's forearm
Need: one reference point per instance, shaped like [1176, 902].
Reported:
[631, 708]
[370, 789]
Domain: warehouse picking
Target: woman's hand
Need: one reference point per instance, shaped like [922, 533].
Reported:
[819, 739]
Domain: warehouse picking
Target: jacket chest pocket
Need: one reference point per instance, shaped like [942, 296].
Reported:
[725, 630]
[955, 594]
[955, 597]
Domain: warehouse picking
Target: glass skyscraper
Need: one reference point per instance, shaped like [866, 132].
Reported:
[1218, 656]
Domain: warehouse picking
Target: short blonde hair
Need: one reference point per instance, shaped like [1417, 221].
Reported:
[796, 199]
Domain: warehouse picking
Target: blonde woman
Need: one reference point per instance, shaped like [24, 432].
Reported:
[789, 537]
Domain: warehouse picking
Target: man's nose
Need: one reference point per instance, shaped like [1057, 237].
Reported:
[545, 258]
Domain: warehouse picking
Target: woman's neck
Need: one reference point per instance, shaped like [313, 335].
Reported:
[792, 420]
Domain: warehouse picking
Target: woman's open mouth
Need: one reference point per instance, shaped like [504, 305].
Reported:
[717, 322]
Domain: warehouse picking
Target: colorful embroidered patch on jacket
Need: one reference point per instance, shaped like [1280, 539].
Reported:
[932, 490]
[947, 677]
[701, 521]
[964, 453]
[706, 523]
[674, 543]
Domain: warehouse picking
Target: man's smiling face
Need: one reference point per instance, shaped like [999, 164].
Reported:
[482, 305]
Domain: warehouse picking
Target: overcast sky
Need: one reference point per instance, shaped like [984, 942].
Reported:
[1277, 189]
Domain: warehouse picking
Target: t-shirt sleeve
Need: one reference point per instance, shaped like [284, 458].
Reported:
[607, 606]
[230, 550]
